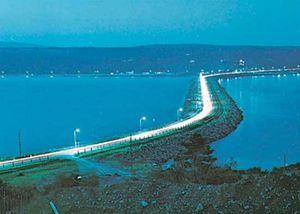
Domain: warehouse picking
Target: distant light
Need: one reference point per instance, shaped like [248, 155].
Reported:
[77, 130]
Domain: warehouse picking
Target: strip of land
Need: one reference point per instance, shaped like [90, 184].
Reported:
[207, 109]
[178, 167]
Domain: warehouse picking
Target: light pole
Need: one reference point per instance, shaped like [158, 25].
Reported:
[76, 143]
[20, 143]
[141, 120]
[178, 112]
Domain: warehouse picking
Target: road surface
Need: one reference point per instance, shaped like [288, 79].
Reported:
[169, 129]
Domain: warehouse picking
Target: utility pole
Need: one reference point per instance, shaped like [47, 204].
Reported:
[131, 153]
[20, 143]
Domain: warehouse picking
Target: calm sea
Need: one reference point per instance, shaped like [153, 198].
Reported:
[271, 126]
[47, 110]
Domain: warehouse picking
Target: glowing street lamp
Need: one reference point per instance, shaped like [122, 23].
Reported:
[141, 120]
[76, 143]
[178, 112]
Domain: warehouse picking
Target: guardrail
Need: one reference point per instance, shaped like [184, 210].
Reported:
[125, 141]
[208, 113]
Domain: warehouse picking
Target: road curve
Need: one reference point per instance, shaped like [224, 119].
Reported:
[206, 111]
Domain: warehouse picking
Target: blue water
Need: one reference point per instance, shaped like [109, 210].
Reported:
[47, 110]
[271, 125]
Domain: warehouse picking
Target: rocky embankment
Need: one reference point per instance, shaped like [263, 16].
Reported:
[224, 120]
[175, 174]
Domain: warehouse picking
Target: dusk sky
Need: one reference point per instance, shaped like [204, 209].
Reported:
[139, 22]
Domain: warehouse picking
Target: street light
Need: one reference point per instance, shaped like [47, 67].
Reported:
[178, 112]
[141, 120]
[76, 143]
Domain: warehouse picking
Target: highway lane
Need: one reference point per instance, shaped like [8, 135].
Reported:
[169, 129]
[206, 110]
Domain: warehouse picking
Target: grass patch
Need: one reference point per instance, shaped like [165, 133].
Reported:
[31, 175]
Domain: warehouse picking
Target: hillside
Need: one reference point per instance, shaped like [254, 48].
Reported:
[153, 58]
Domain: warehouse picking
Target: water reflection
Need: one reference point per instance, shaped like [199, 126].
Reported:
[271, 125]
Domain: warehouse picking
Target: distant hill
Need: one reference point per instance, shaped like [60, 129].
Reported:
[186, 58]
[16, 45]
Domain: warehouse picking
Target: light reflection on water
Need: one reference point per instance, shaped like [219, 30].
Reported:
[271, 125]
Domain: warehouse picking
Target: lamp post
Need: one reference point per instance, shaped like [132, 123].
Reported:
[20, 143]
[141, 120]
[76, 143]
[178, 112]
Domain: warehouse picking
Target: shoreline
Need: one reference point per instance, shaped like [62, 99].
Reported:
[193, 180]
[207, 113]
[135, 138]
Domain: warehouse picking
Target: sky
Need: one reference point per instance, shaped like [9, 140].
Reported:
[111, 23]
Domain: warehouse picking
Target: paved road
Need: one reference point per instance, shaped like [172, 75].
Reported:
[169, 129]
[206, 110]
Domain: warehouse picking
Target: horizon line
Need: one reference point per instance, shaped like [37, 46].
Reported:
[33, 45]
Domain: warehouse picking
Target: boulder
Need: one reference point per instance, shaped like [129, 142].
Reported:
[144, 204]
[199, 208]
[167, 165]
